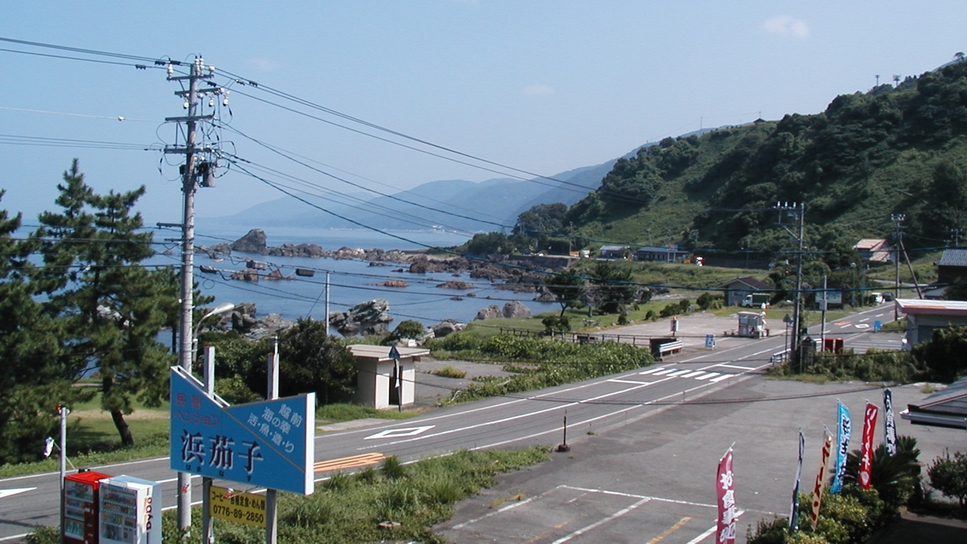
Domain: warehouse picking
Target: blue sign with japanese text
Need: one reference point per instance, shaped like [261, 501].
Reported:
[267, 443]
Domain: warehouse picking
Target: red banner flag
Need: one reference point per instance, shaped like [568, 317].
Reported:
[820, 477]
[866, 450]
[725, 493]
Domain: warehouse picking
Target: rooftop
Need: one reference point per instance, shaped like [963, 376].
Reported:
[932, 307]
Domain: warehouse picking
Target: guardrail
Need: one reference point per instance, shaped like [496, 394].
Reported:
[670, 347]
[779, 357]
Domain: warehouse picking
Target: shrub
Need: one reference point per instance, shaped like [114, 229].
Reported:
[949, 476]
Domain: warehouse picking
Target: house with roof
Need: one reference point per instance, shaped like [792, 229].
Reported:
[952, 266]
[737, 289]
[874, 250]
[925, 316]
[614, 252]
[662, 254]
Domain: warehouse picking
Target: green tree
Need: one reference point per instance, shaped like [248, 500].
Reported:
[312, 361]
[945, 354]
[613, 287]
[111, 307]
[33, 380]
[568, 288]
[409, 328]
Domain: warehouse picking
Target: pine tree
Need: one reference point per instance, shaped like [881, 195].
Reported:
[32, 381]
[111, 306]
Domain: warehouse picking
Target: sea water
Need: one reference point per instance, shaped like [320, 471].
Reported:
[350, 281]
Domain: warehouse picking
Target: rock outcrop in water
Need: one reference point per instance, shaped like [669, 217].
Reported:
[365, 318]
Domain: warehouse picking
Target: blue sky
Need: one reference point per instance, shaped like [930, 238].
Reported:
[542, 86]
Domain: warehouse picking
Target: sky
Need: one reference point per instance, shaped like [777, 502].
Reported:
[514, 87]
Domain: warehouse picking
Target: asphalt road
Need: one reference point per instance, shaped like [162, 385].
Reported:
[597, 407]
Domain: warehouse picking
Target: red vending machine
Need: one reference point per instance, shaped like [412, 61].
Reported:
[81, 507]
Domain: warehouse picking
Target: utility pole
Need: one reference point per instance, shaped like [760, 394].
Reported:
[190, 172]
[795, 346]
[898, 220]
[956, 232]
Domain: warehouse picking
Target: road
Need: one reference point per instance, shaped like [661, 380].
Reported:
[594, 406]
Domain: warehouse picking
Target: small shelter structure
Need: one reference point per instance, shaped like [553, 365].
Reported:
[924, 316]
[380, 381]
[737, 289]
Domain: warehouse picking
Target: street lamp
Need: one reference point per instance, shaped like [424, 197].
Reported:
[221, 309]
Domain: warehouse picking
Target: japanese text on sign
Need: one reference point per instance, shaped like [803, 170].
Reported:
[247, 508]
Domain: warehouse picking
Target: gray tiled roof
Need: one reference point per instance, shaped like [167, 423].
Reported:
[953, 257]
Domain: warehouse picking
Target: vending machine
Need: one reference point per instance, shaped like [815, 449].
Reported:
[80, 507]
[130, 511]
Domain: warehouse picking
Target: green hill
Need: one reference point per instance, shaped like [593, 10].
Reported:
[892, 150]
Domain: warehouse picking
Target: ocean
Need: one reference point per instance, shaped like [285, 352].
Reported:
[351, 281]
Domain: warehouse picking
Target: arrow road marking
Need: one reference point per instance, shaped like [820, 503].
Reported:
[11, 492]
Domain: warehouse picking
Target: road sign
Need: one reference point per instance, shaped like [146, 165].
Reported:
[268, 443]
[247, 508]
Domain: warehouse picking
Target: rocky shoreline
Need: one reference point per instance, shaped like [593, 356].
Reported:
[521, 274]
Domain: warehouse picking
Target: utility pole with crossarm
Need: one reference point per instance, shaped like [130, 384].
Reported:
[199, 168]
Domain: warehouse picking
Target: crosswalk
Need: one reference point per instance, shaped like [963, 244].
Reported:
[701, 375]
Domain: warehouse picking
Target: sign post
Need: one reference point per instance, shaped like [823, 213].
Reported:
[260, 444]
[394, 354]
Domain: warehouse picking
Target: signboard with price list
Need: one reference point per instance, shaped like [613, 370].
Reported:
[267, 443]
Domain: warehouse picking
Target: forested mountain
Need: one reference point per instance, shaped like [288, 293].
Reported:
[892, 150]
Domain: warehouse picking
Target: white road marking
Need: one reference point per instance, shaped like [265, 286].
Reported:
[720, 378]
[11, 492]
[651, 370]
[862, 326]
[665, 371]
[600, 522]
[710, 374]
[400, 433]
[631, 382]
[693, 374]
[678, 373]
[737, 367]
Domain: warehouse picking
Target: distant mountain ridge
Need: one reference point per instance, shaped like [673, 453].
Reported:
[490, 205]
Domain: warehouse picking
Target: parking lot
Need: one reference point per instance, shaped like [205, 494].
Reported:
[652, 479]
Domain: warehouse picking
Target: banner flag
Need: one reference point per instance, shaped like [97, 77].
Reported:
[866, 451]
[794, 507]
[725, 494]
[843, 434]
[889, 440]
[821, 476]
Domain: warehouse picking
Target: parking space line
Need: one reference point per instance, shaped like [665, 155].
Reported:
[601, 522]
[670, 530]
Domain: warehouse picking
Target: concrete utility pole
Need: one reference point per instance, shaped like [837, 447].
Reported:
[898, 220]
[795, 346]
[190, 173]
